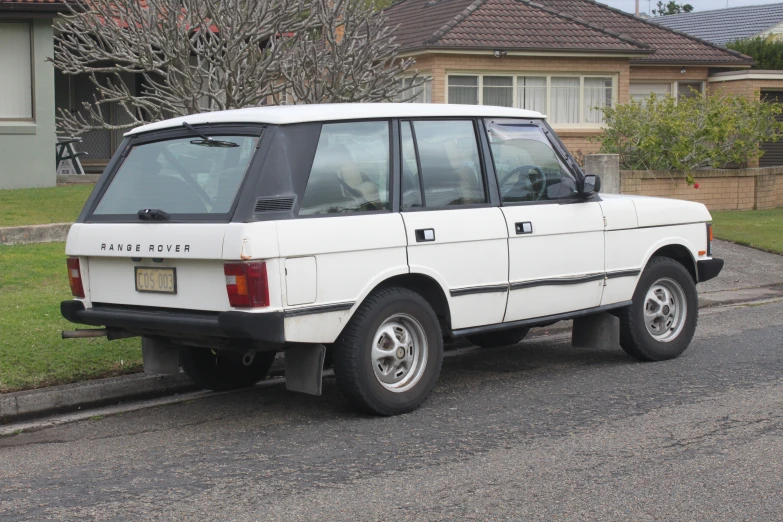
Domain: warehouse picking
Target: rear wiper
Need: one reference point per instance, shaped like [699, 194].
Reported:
[152, 214]
[206, 140]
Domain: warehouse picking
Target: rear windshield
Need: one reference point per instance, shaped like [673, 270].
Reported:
[180, 176]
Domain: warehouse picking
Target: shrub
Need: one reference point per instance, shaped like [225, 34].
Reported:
[767, 51]
[689, 133]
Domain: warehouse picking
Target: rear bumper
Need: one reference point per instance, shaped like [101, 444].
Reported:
[709, 268]
[267, 326]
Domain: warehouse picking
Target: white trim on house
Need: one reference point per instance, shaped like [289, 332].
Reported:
[745, 75]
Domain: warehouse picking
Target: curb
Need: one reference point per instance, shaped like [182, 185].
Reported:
[34, 234]
[18, 405]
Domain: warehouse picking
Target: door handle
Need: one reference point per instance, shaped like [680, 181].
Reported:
[425, 234]
[524, 227]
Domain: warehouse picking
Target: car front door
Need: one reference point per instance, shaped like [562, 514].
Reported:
[454, 235]
[556, 237]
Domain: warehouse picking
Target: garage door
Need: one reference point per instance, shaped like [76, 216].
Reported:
[773, 152]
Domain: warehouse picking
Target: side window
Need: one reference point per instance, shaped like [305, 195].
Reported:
[350, 171]
[527, 167]
[449, 163]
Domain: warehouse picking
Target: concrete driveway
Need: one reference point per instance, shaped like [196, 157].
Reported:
[538, 431]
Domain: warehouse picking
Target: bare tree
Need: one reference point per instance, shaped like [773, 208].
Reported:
[201, 55]
[347, 55]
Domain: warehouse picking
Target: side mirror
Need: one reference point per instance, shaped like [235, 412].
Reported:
[591, 185]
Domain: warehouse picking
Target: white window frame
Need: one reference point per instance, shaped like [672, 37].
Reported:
[31, 118]
[582, 124]
[674, 86]
[427, 80]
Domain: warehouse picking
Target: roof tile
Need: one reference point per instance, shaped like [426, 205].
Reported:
[722, 26]
[557, 25]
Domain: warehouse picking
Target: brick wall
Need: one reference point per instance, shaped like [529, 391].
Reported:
[731, 189]
[749, 88]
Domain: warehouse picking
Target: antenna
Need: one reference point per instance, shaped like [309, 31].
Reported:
[637, 7]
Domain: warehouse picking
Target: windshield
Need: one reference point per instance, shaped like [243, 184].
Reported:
[180, 176]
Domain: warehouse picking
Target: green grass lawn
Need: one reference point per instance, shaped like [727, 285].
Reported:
[33, 281]
[43, 205]
[756, 228]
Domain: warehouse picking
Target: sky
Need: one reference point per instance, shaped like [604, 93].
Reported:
[698, 5]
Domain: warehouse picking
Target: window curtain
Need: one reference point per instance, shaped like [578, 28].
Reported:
[499, 90]
[689, 89]
[425, 91]
[641, 91]
[16, 78]
[463, 89]
[598, 94]
[531, 93]
[565, 100]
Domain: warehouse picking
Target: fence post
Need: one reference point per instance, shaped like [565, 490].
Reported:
[607, 166]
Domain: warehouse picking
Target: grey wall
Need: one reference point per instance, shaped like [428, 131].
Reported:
[27, 149]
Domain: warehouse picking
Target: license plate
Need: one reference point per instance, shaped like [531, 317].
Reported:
[157, 280]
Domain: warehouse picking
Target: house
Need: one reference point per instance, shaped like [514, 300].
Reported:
[564, 58]
[27, 113]
[721, 26]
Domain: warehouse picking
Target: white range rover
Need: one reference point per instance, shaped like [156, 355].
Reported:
[373, 230]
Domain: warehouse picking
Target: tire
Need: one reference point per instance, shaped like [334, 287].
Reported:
[499, 338]
[409, 362]
[665, 289]
[221, 370]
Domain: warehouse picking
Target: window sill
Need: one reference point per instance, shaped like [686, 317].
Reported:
[18, 127]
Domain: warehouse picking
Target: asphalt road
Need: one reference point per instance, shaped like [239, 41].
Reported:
[539, 431]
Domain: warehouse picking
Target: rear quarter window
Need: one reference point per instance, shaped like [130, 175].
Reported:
[350, 171]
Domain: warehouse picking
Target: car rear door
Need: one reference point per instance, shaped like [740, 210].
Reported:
[454, 235]
[556, 238]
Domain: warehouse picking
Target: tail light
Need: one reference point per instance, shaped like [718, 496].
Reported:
[709, 239]
[247, 284]
[75, 277]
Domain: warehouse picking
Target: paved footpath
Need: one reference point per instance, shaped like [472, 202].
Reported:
[537, 431]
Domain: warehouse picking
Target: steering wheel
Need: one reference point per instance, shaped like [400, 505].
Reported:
[527, 169]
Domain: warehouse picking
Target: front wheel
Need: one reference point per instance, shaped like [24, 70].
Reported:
[225, 369]
[388, 358]
[661, 322]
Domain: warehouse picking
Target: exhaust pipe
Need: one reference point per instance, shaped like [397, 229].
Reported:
[78, 334]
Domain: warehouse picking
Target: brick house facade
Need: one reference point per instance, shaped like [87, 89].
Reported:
[560, 57]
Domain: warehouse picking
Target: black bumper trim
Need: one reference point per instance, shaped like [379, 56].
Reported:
[709, 268]
[266, 326]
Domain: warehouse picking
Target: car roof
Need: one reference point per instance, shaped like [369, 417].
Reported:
[287, 114]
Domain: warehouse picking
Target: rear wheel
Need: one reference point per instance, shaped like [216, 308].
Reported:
[661, 322]
[499, 338]
[225, 369]
[388, 358]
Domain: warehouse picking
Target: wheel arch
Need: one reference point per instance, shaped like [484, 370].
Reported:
[680, 253]
[424, 285]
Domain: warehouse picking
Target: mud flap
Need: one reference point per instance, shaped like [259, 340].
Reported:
[159, 356]
[304, 368]
[597, 331]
